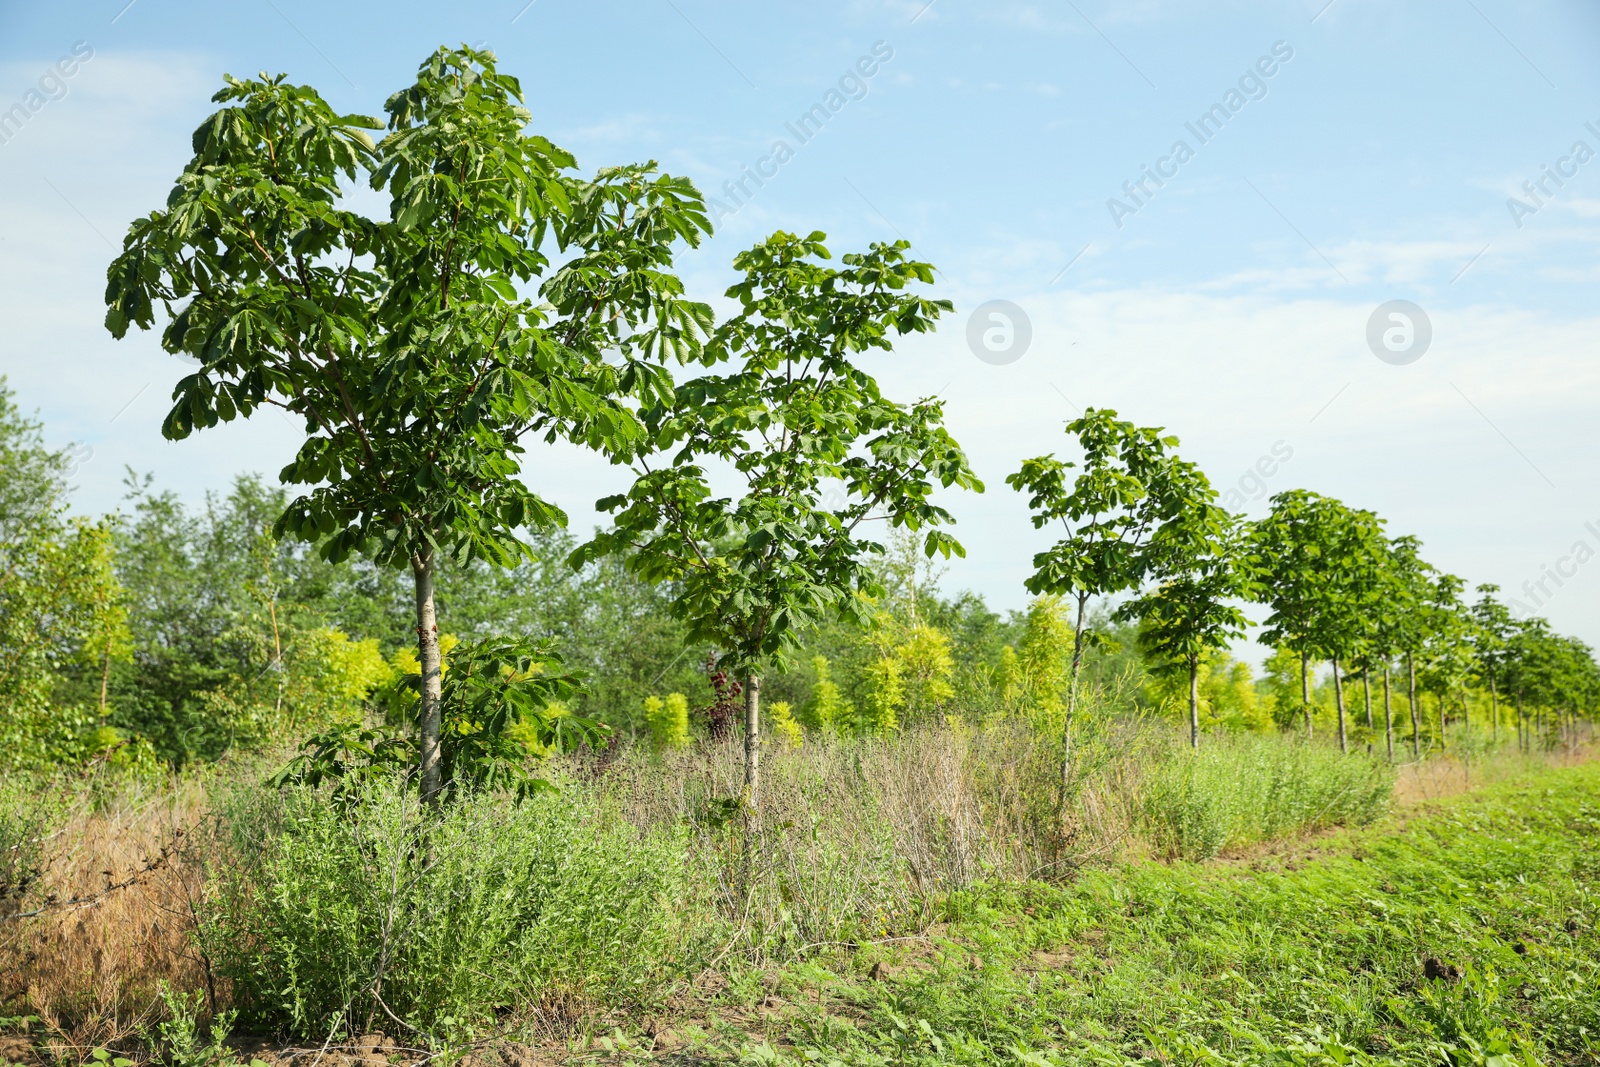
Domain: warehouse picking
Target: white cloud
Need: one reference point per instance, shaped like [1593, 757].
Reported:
[632, 129]
[1232, 375]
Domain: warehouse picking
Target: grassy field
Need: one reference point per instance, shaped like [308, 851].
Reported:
[1460, 932]
[1264, 902]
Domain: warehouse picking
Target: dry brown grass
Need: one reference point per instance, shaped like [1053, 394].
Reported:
[89, 971]
[1449, 775]
[859, 837]
[842, 830]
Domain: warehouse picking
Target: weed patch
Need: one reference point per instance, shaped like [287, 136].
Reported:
[1468, 936]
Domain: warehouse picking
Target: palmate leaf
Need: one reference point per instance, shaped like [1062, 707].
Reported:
[412, 327]
[1329, 576]
[500, 714]
[1128, 484]
[421, 346]
[756, 569]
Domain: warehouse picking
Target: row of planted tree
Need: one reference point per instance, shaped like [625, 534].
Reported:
[504, 297]
[1140, 521]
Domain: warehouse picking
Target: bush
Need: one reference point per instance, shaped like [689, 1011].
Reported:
[668, 720]
[443, 920]
[1242, 789]
[29, 809]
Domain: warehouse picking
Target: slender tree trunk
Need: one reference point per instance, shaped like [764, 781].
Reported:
[432, 690]
[1194, 702]
[1466, 712]
[1439, 697]
[1305, 691]
[1388, 715]
[1411, 701]
[105, 679]
[277, 654]
[1494, 710]
[1522, 725]
[1072, 702]
[1366, 694]
[1338, 700]
[752, 741]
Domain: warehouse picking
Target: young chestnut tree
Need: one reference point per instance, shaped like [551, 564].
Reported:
[1449, 653]
[797, 414]
[1410, 589]
[1491, 641]
[1203, 572]
[408, 346]
[1320, 563]
[1351, 547]
[1392, 605]
[1287, 553]
[1130, 484]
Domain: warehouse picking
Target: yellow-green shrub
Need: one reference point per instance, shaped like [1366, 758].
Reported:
[668, 720]
[784, 724]
[1041, 669]
[1228, 695]
[829, 710]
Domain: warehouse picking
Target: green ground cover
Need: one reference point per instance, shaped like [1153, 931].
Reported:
[1463, 932]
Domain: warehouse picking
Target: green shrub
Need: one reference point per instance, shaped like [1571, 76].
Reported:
[1242, 789]
[446, 920]
[30, 807]
[668, 720]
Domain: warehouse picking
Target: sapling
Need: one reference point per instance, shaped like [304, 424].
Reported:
[816, 450]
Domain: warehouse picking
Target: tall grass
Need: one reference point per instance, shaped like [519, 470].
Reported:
[852, 838]
[856, 839]
[327, 918]
[113, 887]
[28, 811]
[612, 893]
[1243, 789]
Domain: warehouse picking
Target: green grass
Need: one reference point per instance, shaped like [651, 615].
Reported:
[333, 920]
[1315, 957]
[1244, 789]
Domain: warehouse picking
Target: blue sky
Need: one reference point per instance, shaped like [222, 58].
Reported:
[1231, 304]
